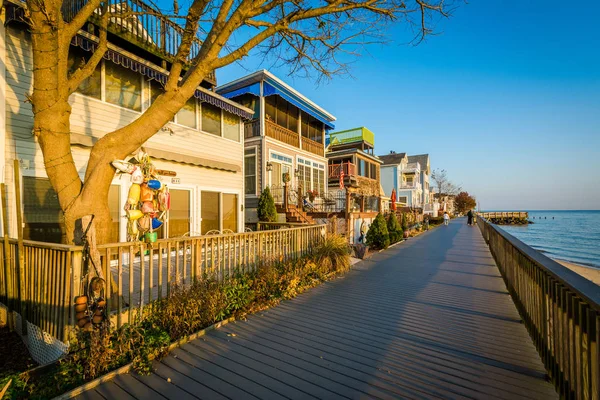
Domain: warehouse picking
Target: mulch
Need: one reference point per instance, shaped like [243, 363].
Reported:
[14, 356]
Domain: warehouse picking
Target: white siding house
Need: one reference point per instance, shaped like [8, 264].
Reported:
[203, 145]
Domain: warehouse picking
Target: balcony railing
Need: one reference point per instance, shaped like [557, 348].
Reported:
[412, 167]
[312, 146]
[147, 27]
[335, 170]
[414, 185]
[282, 134]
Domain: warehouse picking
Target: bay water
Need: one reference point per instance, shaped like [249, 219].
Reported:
[565, 235]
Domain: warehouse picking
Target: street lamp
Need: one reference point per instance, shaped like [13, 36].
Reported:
[269, 166]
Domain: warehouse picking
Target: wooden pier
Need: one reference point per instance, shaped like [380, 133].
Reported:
[506, 217]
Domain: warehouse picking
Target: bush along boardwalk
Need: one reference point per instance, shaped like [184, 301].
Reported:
[186, 311]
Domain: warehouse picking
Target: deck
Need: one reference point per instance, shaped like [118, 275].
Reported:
[430, 318]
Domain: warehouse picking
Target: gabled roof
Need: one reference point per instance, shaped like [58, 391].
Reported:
[392, 158]
[422, 159]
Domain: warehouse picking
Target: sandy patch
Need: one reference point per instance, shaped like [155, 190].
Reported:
[589, 273]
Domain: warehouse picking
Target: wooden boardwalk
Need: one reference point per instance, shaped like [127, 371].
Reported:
[430, 318]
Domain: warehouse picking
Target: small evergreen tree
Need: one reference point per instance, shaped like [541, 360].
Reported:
[394, 228]
[404, 223]
[266, 207]
[378, 235]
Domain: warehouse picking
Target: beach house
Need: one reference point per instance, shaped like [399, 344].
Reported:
[403, 176]
[355, 178]
[200, 153]
[284, 144]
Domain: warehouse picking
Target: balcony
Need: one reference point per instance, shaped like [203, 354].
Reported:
[336, 170]
[410, 185]
[412, 168]
[147, 28]
[277, 132]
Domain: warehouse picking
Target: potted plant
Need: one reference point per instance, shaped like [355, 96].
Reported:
[312, 194]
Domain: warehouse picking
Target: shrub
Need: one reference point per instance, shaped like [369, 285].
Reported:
[436, 220]
[394, 228]
[378, 235]
[333, 254]
[404, 223]
[266, 207]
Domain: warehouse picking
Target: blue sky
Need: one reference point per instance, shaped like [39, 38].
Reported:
[506, 99]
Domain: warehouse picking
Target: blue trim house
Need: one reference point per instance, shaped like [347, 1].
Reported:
[285, 139]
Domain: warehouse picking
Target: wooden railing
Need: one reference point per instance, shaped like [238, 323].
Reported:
[282, 134]
[148, 27]
[40, 288]
[560, 309]
[251, 129]
[313, 146]
[43, 287]
[335, 170]
[505, 214]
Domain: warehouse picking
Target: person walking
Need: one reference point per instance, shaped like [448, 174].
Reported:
[446, 218]
[470, 217]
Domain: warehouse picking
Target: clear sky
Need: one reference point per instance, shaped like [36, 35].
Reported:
[506, 99]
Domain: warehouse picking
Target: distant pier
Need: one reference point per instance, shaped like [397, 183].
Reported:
[506, 217]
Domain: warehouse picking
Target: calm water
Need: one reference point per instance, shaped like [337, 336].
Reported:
[571, 236]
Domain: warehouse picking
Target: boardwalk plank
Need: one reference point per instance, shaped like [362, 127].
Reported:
[136, 388]
[430, 318]
[111, 391]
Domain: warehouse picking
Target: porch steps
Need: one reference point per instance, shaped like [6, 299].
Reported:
[295, 215]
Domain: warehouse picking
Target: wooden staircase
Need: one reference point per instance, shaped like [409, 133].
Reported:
[294, 214]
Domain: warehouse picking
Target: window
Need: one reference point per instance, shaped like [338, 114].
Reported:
[187, 115]
[209, 212]
[231, 126]
[123, 87]
[322, 181]
[402, 199]
[373, 171]
[42, 216]
[230, 207]
[281, 112]
[250, 101]
[312, 128]
[250, 171]
[211, 119]
[362, 168]
[92, 85]
[285, 159]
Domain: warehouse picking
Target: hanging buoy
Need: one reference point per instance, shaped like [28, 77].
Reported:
[80, 307]
[148, 207]
[123, 166]
[164, 199]
[147, 194]
[137, 176]
[151, 237]
[154, 184]
[133, 197]
[81, 300]
[156, 223]
[134, 214]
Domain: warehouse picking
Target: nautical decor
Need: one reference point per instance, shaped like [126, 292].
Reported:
[148, 199]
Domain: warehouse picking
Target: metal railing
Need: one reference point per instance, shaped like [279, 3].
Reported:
[560, 309]
[411, 167]
[144, 25]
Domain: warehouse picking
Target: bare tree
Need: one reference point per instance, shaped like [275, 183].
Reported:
[306, 35]
[444, 186]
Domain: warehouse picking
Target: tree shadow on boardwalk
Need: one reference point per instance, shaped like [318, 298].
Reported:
[429, 318]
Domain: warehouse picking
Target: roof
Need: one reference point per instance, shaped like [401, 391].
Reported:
[264, 75]
[345, 152]
[422, 159]
[392, 158]
[352, 135]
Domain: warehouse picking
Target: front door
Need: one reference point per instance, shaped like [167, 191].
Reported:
[180, 216]
[277, 180]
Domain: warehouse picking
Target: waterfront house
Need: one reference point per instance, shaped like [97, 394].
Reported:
[202, 149]
[284, 144]
[403, 176]
[355, 178]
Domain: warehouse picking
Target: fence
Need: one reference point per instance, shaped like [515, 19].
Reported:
[560, 309]
[43, 288]
[510, 214]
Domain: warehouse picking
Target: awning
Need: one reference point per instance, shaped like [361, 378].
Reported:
[88, 141]
[253, 89]
[201, 94]
[270, 89]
